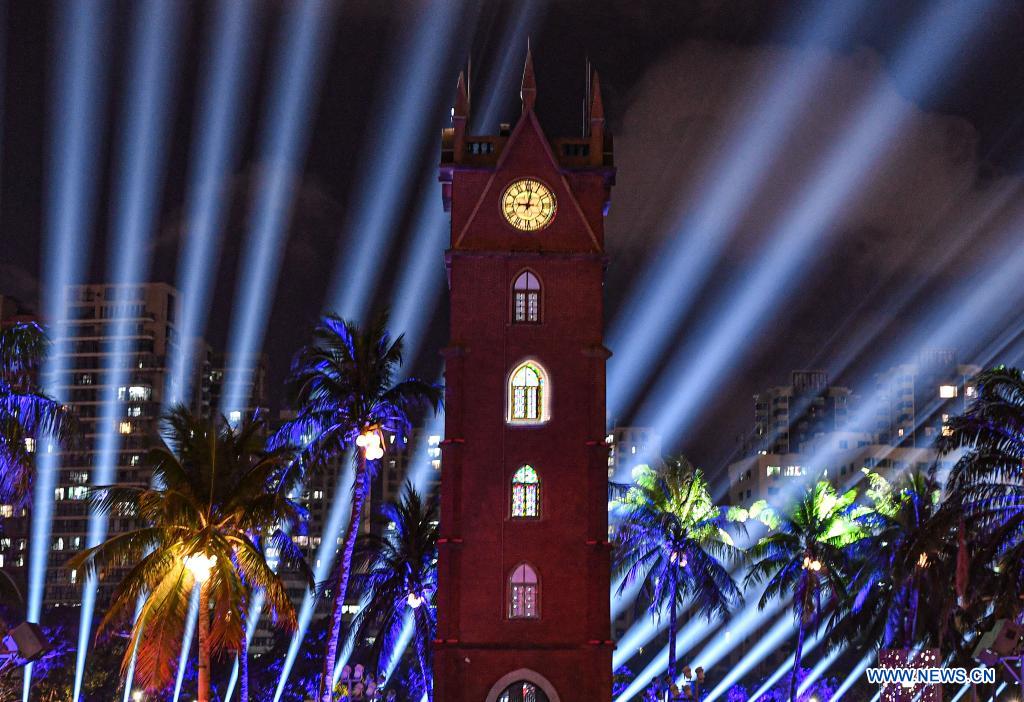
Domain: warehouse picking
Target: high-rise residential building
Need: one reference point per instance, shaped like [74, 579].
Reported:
[14, 522]
[95, 313]
[915, 400]
[787, 416]
[416, 458]
[629, 447]
[253, 371]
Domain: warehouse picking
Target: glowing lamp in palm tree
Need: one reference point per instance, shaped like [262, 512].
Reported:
[201, 566]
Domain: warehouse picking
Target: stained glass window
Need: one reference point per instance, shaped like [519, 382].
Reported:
[524, 593]
[527, 395]
[526, 299]
[526, 493]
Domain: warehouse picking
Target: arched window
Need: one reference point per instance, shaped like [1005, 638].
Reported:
[524, 593]
[528, 394]
[526, 299]
[525, 493]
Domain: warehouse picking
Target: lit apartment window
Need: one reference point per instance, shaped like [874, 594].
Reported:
[234, 417]
[947, 391]
[773, 470]
[30, 444]
[6, 511]
[970, 391]
[793, 471]
[125, 427]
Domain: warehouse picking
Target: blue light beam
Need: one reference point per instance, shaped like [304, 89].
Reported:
[137, 187]
[283, 142]
[186, 642]
[668, 290]
[337, 518]
[75, 125]
[804, 231]
[214, 152]
[851, 679]
[377, 205]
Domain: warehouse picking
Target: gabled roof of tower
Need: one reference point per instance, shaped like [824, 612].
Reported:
[528, 129]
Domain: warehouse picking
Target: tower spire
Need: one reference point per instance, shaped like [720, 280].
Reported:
[596, 121]
[528, 92]
[460, 117]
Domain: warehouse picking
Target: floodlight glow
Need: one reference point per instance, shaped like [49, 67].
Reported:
[690, 635]
[129, 678]
[636, 637]
[75, 127]
[667, 291]
[743, 623]
[485, 120]
[282, 147]
[421, 276]
[408, 629]
[424, 452]
[802, 232]
[819, 669]
[214, 152]
[337, 518]
[856, 674]
[137, 187]
[621, 602]
[186, 642]
[785, 668]
[779, 632]
[377, 207]
[965, 313]
[251, 622]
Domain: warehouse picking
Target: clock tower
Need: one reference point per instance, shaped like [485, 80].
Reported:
[523, 594]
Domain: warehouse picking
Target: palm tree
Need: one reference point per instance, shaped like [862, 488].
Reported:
[347, 398]
[400, 578]
[673, 537]
[26, 414]
[987, 482]
[213, 489]
[909, 549]
[805, 555]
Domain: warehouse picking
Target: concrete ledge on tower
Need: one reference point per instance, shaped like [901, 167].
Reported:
[597, 351]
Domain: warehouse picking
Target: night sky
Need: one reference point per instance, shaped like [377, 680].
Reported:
[670, 72]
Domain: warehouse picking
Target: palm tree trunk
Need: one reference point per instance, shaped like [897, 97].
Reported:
[204, 643]
[801, 597]
[421, 654]
[912, 624]
[797, 656]
[243, 666]
[672, 640]
[344, 568]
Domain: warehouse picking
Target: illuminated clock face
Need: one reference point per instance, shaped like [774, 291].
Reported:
[528, 205]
